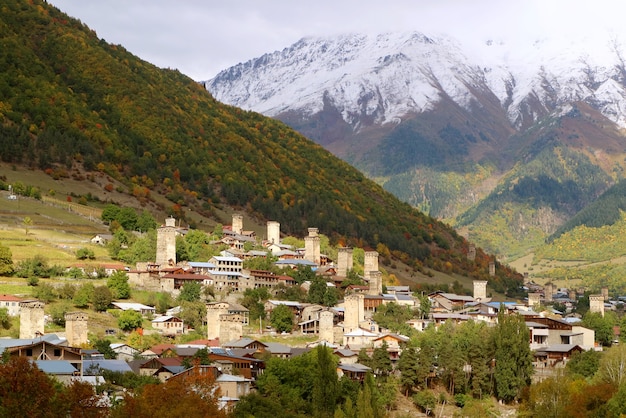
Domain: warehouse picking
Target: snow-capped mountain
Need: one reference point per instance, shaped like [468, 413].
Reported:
[383, 78]
[459, 130]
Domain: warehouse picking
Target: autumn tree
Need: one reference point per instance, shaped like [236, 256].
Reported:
[81, 400]
[175, 398]
[26, 391]
[612, 367]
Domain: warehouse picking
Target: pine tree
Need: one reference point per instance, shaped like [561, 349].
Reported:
[513, 357]
[407, 364]
[325, 390]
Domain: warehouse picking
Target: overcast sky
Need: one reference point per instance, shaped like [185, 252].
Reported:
[202, 37]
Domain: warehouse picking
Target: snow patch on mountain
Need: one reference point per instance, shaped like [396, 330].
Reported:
[387, 76]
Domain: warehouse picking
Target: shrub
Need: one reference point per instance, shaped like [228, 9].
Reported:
[85, 253]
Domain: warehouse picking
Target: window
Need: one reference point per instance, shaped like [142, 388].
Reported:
[29, 352]
[57, 352]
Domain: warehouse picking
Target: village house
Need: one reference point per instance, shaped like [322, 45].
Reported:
[448, 302]
[161, 367]
[101, 239]
[247, 344]
[124, 351]
[173, 282]
[359, 338]
[201, 267]
[168, 325]
[61, 370]
[46, 347]
[356, 372]
[546, 332]
[226, 264]
[11, 303]
[346, 356]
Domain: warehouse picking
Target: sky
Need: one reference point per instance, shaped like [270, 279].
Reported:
[202, 37]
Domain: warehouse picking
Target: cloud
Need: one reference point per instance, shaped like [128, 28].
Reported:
[200, 37]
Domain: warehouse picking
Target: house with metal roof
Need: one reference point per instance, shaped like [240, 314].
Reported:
[168, 325]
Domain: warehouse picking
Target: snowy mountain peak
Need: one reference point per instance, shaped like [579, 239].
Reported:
[380, 79]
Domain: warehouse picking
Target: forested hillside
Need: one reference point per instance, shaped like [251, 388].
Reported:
[69, 100]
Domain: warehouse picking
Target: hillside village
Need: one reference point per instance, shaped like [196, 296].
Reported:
[237, 354]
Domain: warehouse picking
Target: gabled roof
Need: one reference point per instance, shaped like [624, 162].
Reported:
[10, 298]
[345, 352]
[561, 348]
[15, 342]
[242, 343]
[285, 302]
[118, 346]
[278, 348]
[112, 365]
[167, 318]
[295, 261]
[231, 378]
[174, 369]
[125, 306]
[161, 361]
[355, 368]
[360, 332]
[227, 258]
[401, 338]
[199, 264]
[455, 297]
[206, 343]
[57, 367]
[160, 348]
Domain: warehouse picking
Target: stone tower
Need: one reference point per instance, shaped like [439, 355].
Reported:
[273, 232]
[534, 299]
[354, 311]
[326, 326]
[166, 243]
[596, 304]
[214, 312]
[76, 329]
[471, 252]
[231, 328]
[31, 319]
[344, 261]
[312, 246]
[492, 268]
[375, 283]
[605, 293]
[480, 290]
[237, 223]
[370, 263]
[548, 292]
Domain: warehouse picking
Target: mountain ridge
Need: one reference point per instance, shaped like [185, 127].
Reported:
[72, 105]
[414, 110]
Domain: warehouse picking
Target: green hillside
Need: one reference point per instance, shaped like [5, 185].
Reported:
[71, 103]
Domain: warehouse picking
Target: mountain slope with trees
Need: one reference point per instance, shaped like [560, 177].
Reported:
[69, 101]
